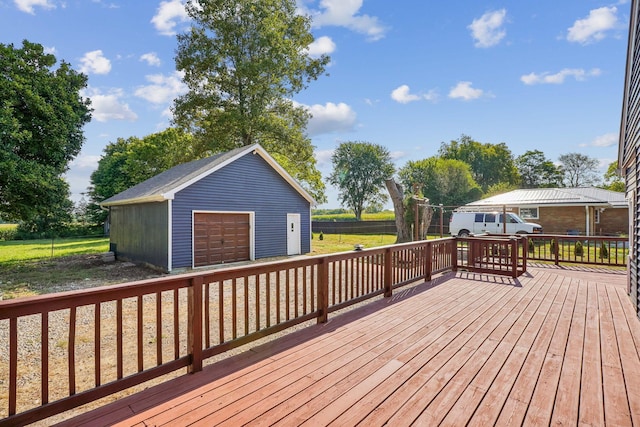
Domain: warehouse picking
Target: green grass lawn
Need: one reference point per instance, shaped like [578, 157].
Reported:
[379, 216]
[332, 243]
[15, 251]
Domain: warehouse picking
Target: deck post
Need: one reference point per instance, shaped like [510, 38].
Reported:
[513, 242]
[428, 261]
[388, 270]
[323, 290]
[525, 251]
[194, 324]
[454, 255]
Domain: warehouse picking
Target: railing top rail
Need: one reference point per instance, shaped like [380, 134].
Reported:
[61, 300]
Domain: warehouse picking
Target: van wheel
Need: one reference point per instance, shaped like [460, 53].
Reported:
[463, 233]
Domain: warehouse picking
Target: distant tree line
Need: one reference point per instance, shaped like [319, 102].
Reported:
[463, 171]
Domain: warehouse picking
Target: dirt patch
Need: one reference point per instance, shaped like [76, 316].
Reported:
[68, 273]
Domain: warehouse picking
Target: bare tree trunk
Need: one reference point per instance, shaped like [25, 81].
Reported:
[396, 192]
[427, 215]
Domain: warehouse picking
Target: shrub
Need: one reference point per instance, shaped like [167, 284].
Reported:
[531, 246]
[321, 236]
[604, 252]
[553, 247]
[578, 250]
[8, 233]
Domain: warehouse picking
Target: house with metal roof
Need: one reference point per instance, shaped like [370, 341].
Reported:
[582, 210]
[235, 206]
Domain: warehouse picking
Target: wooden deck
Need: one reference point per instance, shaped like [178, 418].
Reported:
[553, 347]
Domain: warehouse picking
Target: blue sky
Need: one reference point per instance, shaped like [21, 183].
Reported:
[537, 75]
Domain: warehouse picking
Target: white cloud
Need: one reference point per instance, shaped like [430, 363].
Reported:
[488, 30]
[606, 140]
[49, 50]
[323, 157]
[559, 77]
[109, 106]
[397, 155]
[464, 91]
[321, 46]
[168, 15]
[86, 162]
[593, 27]
[28, 5]
[403, 95]
[163, 88]
[345, 13]
[94, 62]
[151, 58]
[330, 118]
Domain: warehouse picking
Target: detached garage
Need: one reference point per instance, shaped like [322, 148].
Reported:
[236, 206]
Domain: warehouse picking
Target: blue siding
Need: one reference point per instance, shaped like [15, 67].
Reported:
[249, 184]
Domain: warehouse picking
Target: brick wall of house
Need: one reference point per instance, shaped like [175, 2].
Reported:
[559, 220]
[613, 221]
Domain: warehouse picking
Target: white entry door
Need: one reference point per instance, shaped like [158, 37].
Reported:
[293, 234]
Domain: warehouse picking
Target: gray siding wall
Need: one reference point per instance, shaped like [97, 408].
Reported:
[140, 233]
[247, 185]
[630, 135]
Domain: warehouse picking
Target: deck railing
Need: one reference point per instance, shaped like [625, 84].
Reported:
[563, 249]
[495, 254]
[67, 349]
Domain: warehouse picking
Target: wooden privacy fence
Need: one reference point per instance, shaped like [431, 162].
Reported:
[64, 350]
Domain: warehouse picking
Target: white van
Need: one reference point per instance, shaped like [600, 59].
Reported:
[463, 224]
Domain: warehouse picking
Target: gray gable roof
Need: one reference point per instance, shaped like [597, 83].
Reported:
[164, 185]
[556, 196]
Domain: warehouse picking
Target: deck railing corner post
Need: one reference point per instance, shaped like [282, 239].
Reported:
[514, 243]
[454, 255]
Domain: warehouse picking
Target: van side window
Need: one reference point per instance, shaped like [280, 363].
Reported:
[479, 217]
[490, 218]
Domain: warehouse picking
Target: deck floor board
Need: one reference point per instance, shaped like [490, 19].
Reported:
[551, 347]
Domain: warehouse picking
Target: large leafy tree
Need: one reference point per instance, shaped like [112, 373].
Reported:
[490, 163]
[443, 181]
[359, 172]
[612, 179]
[127, 162]
[41, 119]
[243, 60]
[579, 169]
[537, 171]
